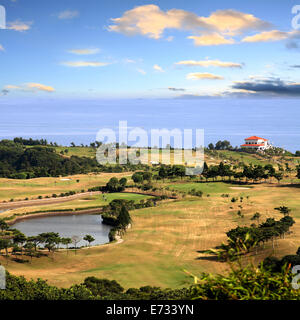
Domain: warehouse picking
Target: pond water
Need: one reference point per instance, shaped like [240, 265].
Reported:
[67, 226]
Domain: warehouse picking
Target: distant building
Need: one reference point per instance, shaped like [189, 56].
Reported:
[256, 143]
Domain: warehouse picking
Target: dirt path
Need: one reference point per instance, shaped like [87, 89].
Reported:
[47, 201]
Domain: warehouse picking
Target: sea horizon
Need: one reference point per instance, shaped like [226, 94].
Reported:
[65, 121]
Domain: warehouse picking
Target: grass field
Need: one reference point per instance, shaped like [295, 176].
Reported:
[20, 189]
[86, 202]
[165, 240]
[206, 188]
[145, 155]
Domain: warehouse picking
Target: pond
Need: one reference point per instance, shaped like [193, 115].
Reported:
[67, 227]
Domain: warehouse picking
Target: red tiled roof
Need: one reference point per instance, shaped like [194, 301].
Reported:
[256, 138]
[252, 145]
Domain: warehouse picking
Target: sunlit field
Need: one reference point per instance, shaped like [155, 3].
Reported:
[168, 239]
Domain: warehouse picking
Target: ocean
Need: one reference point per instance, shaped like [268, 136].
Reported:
[65, 121]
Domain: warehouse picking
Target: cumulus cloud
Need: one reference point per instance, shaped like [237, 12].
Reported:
[85, 51]
[80, 64]
[19, 25]
[203, 76]
[233, 22]
[209, 63]
[211, 39]
[68, 14]
[156, 67]
[151, 21]
[269, 86]
[274, 35]
[31, 86]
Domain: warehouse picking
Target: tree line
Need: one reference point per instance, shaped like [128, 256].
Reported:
[14, 243]
[247, 283]
[19, 162]
[243, 240]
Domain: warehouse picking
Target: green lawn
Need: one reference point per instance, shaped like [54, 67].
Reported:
[207, 188]
[87, 202]
[20, 189]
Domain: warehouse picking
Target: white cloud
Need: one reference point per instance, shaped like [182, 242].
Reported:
[274, 35]
[211, 39]
[158, 68]
[209, 63]
[129, 61]
[78, 64]
[141, 71]
[40, 87]
[32, 86]
[68, 14]
[233, 22]
[18, 25]
[1, 48]
[151, 21]
[85, 51]
[203, 76]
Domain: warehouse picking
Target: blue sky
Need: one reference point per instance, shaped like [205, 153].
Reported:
[154, 49]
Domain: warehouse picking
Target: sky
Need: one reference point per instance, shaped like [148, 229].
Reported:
[81, 49]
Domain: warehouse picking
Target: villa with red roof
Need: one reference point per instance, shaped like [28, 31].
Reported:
[257, 143]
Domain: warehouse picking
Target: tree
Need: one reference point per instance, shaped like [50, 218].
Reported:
[137, 177]
[211, 146]
[278, 176]
[29, 247]
[102, 287]
[284, 210]
[66, 242]
[223, 145]
[75, 241]
[147, 176]
[114, 185]
[89, 239]
[123, 182]
[124, 218]
[35, 240]
[3, 225]
[256, 216]
[19, 239]
[5, 244]
[51, 239]
[163, 173]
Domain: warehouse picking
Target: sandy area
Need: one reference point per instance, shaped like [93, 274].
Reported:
[239, 188]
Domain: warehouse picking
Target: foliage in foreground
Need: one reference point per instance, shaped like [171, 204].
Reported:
[249, 283]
